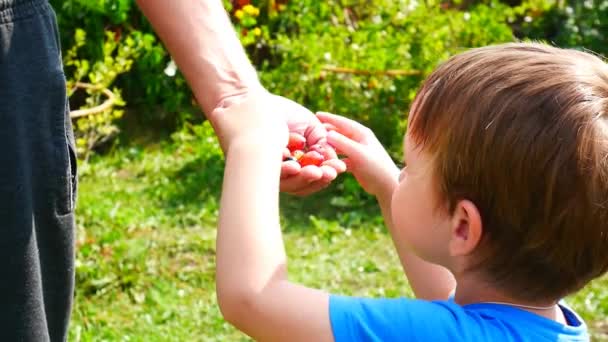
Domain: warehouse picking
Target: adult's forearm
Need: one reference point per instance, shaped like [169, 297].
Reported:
[203, 43]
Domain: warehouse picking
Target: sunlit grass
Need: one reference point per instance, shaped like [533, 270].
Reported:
[146, 242]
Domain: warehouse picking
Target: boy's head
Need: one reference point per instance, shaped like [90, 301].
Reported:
[520, 132]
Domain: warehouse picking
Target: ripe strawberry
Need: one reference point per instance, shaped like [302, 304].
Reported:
[296, 142]
[311, 158]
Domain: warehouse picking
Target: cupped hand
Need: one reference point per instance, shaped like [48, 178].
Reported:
[366, 158]
[276, 115]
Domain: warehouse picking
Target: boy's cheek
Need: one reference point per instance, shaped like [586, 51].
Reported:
[409, 216]
[399, 210]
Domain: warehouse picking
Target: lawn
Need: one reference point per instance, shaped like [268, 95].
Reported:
[146, 239]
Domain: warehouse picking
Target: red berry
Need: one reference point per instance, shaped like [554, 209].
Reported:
[311, 158]
[296, 142]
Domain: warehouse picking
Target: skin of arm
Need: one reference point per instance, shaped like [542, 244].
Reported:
[378, 175]
[253, 291]
[203, 43]
[252, 287]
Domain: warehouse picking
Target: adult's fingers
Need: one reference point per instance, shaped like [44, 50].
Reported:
[314, 131]
[286, 153]
[289, 168]
[331, 169]
[312, 188]
[302, 180]
[336, 164]
[329, 173]
[326, 150]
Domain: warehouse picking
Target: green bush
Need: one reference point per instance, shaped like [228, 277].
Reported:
[334, 55]
[364, 60]
[571, 23]
[295, 44]
[146, 87]
[88, 88]
[367, 60]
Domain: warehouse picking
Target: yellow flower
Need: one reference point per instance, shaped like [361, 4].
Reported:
[239, 14]
[251, 10]
[257, 31]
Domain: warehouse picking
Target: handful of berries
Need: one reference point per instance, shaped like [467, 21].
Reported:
[298, 150]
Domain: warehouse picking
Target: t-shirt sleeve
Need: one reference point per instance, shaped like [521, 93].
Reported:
[362, 319]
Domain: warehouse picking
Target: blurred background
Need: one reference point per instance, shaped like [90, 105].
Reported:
[151, 168]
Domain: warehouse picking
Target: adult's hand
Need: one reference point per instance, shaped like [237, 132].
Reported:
[295, 179]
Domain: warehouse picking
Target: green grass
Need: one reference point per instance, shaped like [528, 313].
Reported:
[146, 239]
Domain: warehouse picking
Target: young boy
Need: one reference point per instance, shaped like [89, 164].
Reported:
[501, 211]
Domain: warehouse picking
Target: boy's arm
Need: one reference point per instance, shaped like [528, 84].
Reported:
[252, 287]
[377, 173]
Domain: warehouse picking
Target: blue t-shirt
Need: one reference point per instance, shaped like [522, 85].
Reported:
[360, 319]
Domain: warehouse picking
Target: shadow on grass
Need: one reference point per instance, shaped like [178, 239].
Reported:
[196, 186]
[360, 210]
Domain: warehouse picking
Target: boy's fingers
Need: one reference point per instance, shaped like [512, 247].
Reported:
[343, 125]
[330, 127]
[343, 144]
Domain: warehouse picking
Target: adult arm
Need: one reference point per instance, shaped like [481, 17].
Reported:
[202, 41]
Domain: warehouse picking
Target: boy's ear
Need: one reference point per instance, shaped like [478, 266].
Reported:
[466, 229]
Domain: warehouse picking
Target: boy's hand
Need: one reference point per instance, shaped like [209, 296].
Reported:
[366, 157]
[262, 117]
[249, 118]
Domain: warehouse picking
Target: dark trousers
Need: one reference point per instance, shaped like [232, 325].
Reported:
[37, 177]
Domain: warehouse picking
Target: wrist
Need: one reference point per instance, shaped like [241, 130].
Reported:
[256, 145]
[239, 93]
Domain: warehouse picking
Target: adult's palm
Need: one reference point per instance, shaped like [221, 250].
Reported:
[295, 179]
